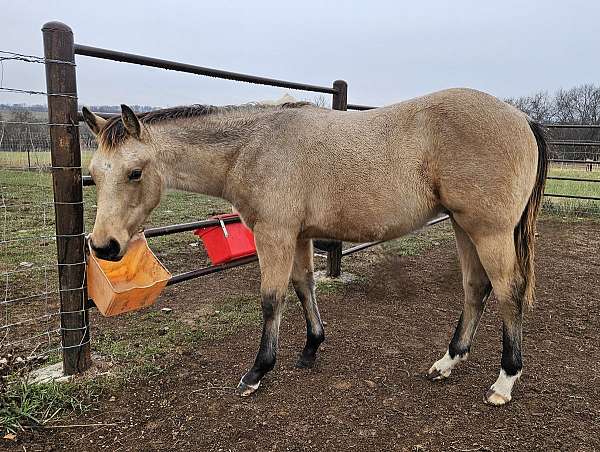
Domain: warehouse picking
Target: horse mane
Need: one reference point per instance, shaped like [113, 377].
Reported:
[114, 133]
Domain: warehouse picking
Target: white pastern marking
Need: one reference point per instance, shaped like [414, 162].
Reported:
[503, 385]
[445, 365]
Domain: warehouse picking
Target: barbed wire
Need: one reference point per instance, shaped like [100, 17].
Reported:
[6, 55]
[41, 93]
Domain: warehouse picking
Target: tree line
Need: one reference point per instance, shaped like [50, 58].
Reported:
[576, 105]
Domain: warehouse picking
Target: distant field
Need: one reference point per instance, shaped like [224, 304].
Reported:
[38, 159]
[573, 188]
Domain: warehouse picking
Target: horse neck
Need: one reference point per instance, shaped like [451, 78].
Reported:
[196, 154]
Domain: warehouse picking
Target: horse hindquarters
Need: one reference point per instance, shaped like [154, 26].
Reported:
[506, 254]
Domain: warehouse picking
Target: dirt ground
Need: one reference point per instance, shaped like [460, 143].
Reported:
[368, 390]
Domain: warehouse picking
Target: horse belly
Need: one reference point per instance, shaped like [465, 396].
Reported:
[360, 220]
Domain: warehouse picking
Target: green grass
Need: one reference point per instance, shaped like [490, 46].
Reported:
[23, 404]
[415, 244]
[328, 286]
[572, 206]
[139, 351]
[154, 334]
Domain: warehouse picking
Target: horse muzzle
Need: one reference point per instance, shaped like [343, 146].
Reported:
[111, 251]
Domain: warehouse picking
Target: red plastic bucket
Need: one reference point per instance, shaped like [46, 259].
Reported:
[227, 242]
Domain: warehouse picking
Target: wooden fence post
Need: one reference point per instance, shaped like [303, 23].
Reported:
[334, 255]
[68, 195]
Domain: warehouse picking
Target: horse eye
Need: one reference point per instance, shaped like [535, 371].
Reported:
[135, 174]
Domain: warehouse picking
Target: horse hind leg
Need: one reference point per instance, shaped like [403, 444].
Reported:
[498, 256]
[477, 289]
[304, 286]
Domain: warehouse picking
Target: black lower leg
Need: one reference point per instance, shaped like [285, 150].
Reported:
[460, 344]
[512, 332]
[511, 348]
[267, 353]
[315, 333]
[457, 347]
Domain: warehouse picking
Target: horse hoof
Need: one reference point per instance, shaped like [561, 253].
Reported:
[244, 390]
[494, 398]
[304, 363]
[436, 375]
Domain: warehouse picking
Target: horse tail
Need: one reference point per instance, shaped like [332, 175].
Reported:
[525, 229]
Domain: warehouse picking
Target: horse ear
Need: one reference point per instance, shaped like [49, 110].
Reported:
[131, 122]
[94, 122]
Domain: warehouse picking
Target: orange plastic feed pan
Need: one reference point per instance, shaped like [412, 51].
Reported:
[133, 283]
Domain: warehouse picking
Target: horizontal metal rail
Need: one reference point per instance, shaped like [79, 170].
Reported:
[123, 57]
[583, 162]
[573, 143]
[576, 179]
[557, 195]
[245, 260]
[360, 247]
[364, 246]
[185, 227]
[360, 107]
[212, 269]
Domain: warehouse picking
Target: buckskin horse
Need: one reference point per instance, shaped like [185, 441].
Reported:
[296, 172]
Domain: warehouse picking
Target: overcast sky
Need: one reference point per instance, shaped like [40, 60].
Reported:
[387, 51]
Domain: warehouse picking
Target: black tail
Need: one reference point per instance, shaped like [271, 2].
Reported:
[525, 229]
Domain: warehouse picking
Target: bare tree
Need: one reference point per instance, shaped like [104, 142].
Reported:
[538, 106]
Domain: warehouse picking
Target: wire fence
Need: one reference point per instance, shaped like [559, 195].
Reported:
[29, 303]
[30, 313]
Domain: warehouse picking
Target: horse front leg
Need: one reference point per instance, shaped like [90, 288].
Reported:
[275, 248]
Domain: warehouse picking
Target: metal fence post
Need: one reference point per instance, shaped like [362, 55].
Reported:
[334, 254]
[68, 195]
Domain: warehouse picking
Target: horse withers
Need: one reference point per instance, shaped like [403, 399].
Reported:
[296, 172]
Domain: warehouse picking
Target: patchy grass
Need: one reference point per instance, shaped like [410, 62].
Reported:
[415, 244]
[23, 404]
[138, 351]
[328, 286]
[154, 334]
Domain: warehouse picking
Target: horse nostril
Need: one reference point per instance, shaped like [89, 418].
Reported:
[110, 251]
[113, 248]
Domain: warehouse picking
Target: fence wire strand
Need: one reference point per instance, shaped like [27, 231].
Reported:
[30, 314]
